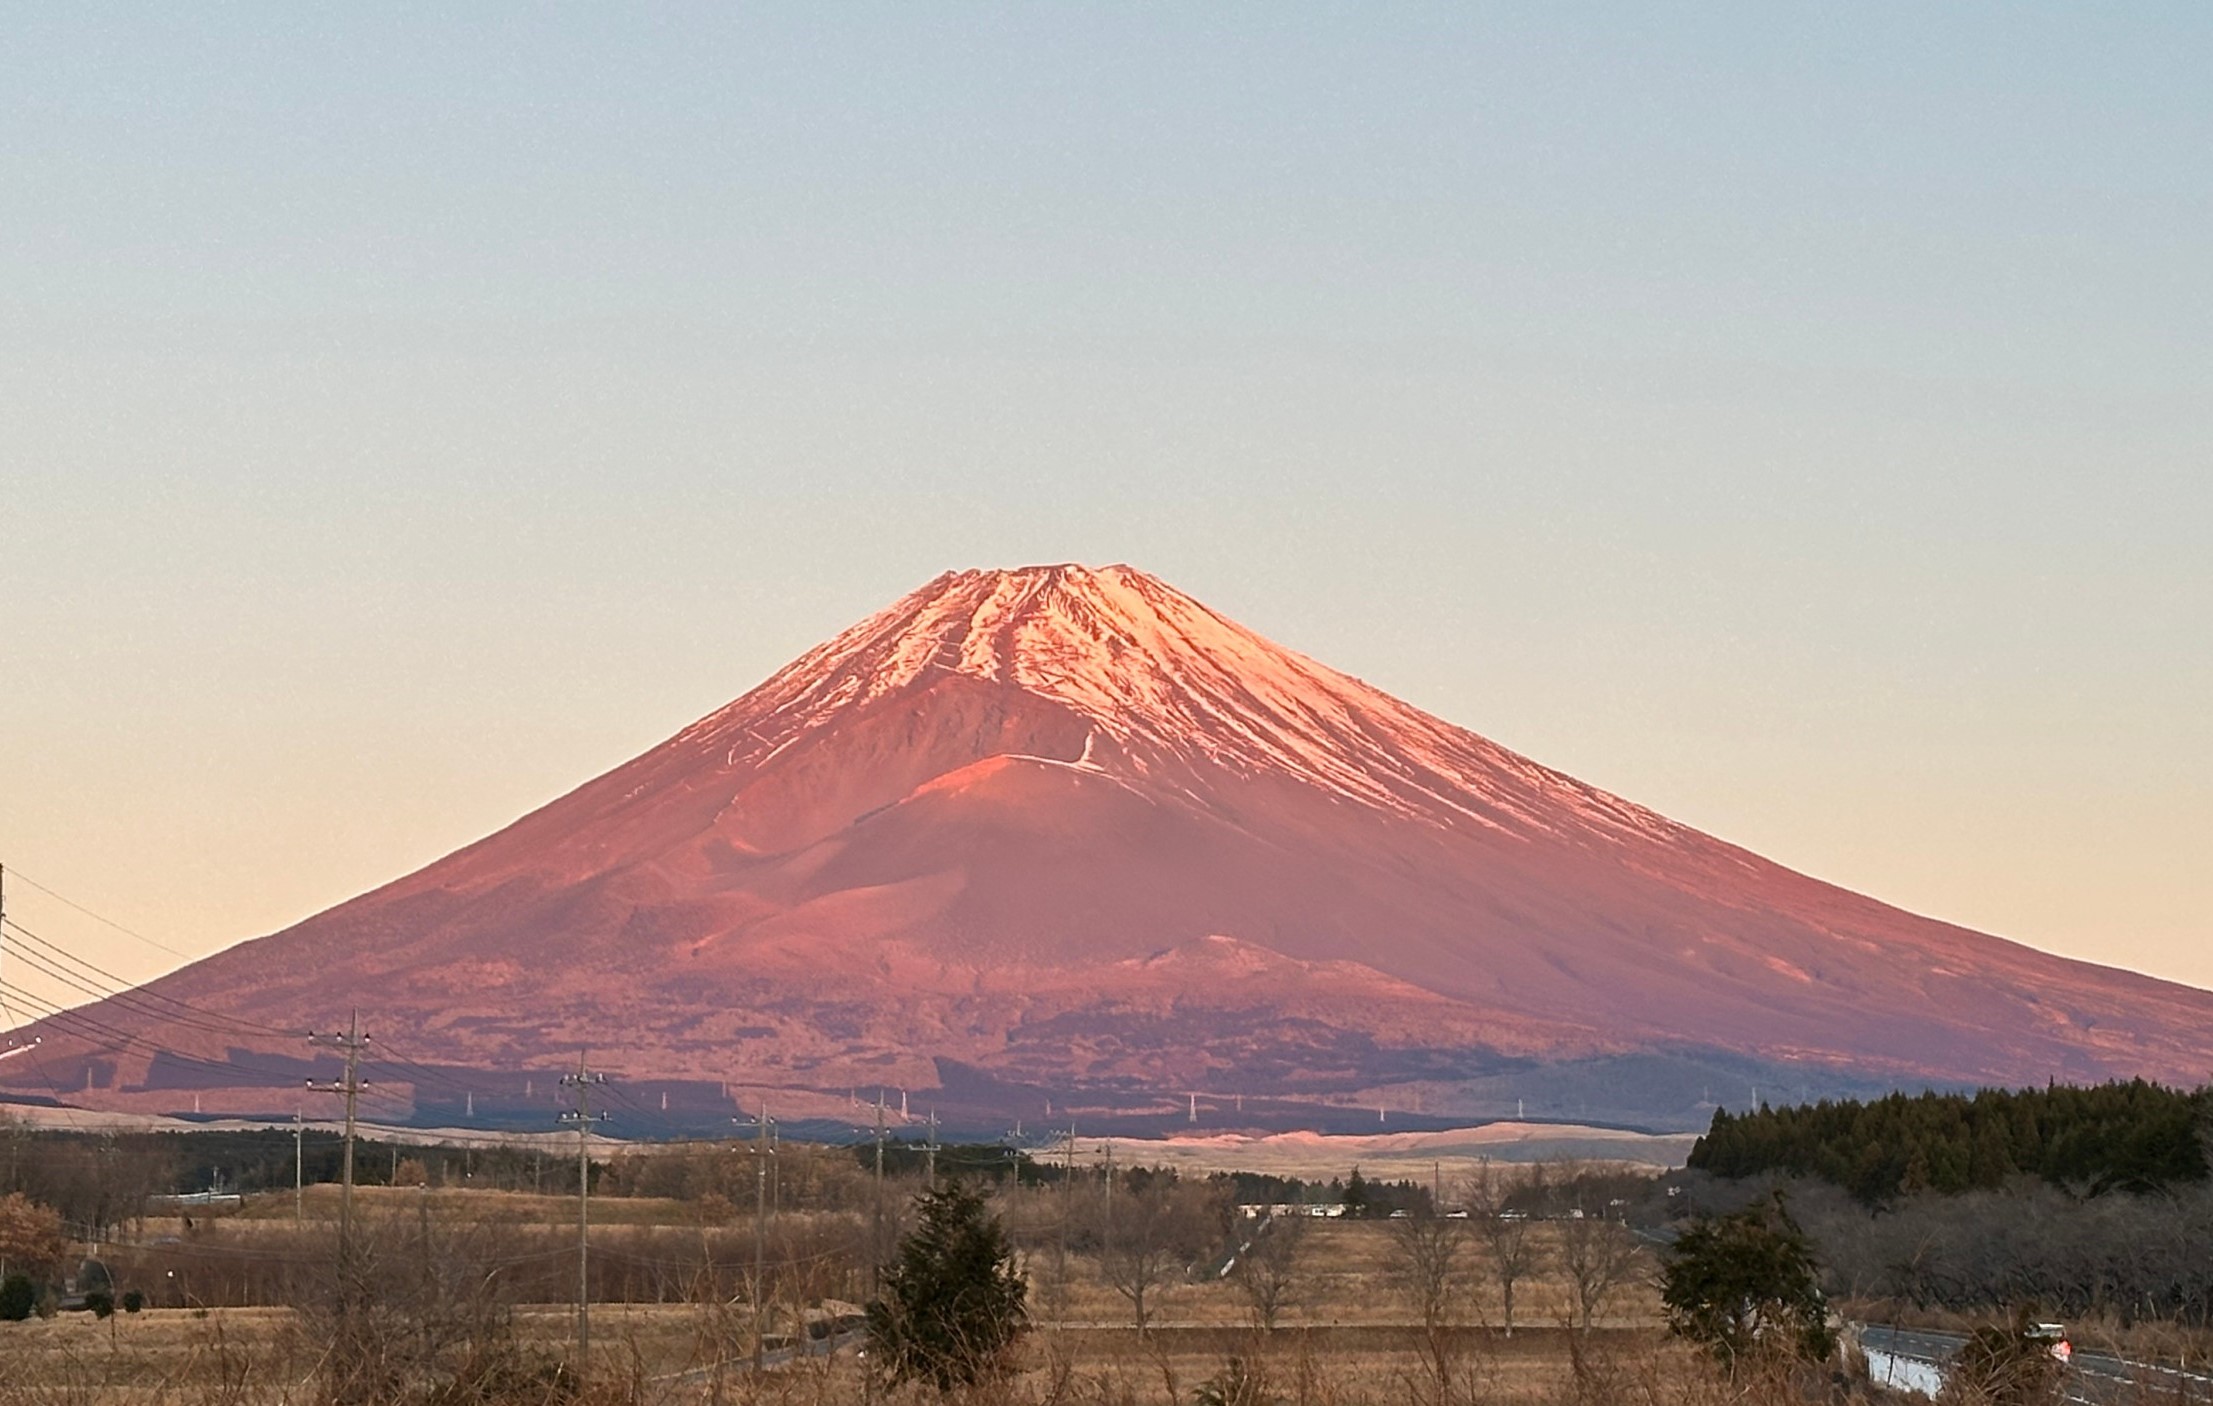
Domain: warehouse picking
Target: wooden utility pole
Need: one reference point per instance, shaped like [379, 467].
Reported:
[879, 1152]
[930, 1150]
[299, 1166]
[762, 1151]
[876, 1244]
[351, 1086]
[876, 1238]
[582, 1081]
[1067, 1213]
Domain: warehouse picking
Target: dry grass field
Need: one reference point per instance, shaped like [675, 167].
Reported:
[1348, 1334]
[1346, 1279]
[647, 1353]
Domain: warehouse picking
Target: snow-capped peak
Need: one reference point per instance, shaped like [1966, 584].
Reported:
[1171, 685]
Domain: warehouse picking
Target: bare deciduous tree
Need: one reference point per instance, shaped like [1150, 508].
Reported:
[1149, 1236]
[1268, 1267]
[1428, 1262]
[1598, 1256]
[419, 1299]
[1511, 1249]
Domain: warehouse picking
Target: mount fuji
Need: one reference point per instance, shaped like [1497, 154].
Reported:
[1065, 838]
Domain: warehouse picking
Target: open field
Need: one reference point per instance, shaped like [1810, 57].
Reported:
[674, 1317]
[260, 1357]
[1396, 1156]
[469, 1291]
[1349, 1281]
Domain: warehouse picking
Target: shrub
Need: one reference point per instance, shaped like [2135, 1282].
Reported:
[2007, 1366]
[101, 1302]
[1240, 1383]
[18, 1296]
[133, 1301]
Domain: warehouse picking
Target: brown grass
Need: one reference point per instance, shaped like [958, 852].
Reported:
[1349, 1340]
[255, 1357]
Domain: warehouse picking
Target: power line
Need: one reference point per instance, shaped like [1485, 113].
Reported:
[134, 990]
[73, 1021]
[38, 1063]
[105, 1038]
[390, 1056]
[109, 922]
[105, 986]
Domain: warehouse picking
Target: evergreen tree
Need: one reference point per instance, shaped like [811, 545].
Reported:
[1356, 1196]
[1745, 1283]
[953, 1304]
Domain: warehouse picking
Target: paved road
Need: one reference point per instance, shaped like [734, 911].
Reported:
[2093, 1379]
[773, 1358]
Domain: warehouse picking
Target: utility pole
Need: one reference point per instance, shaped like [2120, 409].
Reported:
[930, 1151]
[876, 1239]
[1067, 1213]
[762, 1151]
[299, 1166]
[876, 1243]
[582, 1081]
[879, 1152]
[351, 1086]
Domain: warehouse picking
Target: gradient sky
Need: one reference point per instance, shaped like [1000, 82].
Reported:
[1795, 418]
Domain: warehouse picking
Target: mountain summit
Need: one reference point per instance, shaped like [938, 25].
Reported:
[1064, 834]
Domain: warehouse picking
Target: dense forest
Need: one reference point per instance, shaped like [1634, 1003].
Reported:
[2136, 1137]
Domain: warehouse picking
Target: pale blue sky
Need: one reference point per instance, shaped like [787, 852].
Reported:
[1796, 418]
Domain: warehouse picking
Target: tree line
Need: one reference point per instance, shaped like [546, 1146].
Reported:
[2136, 1137]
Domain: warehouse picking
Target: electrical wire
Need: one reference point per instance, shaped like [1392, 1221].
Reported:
[389, 1055]
[50, 961]
[105, 1039]
[73, 1021]
[38, 1063]
[137, 995]
[648, 1115]
[59, 965]
[110, 922]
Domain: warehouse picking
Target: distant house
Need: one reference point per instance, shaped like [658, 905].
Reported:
[1320, 1210]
